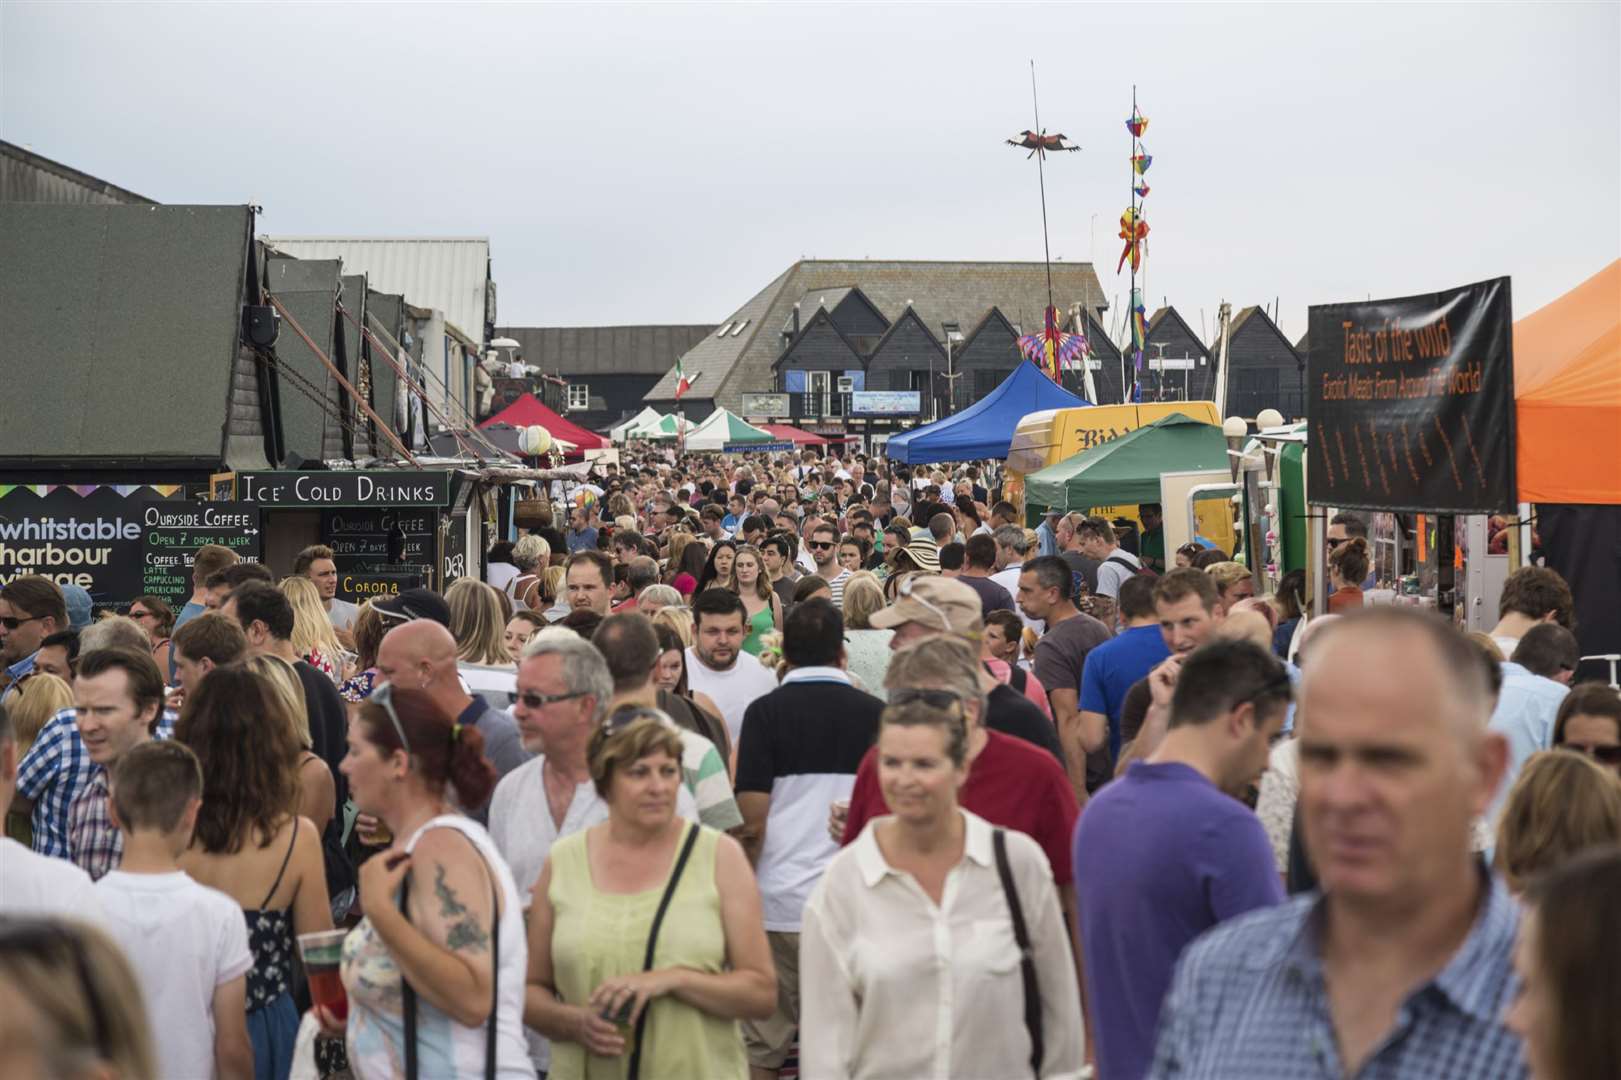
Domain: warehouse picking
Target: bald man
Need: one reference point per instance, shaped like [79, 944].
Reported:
[422, 655]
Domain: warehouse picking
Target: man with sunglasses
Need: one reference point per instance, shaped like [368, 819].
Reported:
[32, 608]
[1346, 526]
[1167, 851]
[824, 552]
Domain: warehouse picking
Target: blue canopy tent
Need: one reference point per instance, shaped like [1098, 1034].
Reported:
[985, 428]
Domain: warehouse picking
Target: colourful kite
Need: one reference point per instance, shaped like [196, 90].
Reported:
[1141, 190]
[1134, 231]
[1052, 350]
[1141, 162]
[1137, 124]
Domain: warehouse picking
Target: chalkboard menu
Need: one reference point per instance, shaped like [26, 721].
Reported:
[379, 547]
[171, 533]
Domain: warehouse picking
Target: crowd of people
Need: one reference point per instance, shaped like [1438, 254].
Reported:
[762, 766]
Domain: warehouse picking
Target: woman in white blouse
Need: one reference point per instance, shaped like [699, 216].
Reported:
[908, 958]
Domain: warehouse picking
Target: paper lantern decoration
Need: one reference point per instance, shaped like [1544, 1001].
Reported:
[534, 440]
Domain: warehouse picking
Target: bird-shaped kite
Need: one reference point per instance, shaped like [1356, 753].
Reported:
[1052, 350]
[1134, 231]
[1041, 144]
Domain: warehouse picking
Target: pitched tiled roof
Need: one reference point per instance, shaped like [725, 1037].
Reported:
[604, 350]
[941, 292]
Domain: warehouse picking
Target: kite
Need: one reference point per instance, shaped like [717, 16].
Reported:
[1141, 162]
[1137, 124]
[1141, 190]
[1042, 144]
[1134, 231]
[1052, 350]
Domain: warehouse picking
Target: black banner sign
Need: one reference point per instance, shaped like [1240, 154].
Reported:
[375, 487]
[87, 537]
[172, 532]
[382, 542]
[1411, 402]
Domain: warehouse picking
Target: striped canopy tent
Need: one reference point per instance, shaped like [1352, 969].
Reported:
[723, 428]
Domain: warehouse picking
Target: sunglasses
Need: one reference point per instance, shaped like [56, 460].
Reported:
[906, 590]
[939, 699]
[46, 941]
[532, 700]
[626, 715]
[11, 624]
[1334, 542]
[1605, 755]
[383, 696]
[821, 545]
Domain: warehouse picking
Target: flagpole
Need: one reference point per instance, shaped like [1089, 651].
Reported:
[1041, 156]
[1131, 310]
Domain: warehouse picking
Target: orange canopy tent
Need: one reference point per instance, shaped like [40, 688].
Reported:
[1567, 386]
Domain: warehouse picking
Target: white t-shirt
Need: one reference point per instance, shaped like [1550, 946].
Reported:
[343, 614]
[733, 690]
[1008, 578]
[34, 884]
[522, 830]
[1112, 575]
[184, 940]
[501, 575]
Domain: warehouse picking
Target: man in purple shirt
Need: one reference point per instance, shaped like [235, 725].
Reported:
[1167, 851]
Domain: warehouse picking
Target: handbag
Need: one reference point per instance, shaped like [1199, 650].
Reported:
[410, 996]
[652, 941]
[1027, 962]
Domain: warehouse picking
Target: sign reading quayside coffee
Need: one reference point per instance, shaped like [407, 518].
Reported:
[391, 487]
[173, 531]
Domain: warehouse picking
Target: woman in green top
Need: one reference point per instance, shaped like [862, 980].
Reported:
[753, 584]
[593, 909]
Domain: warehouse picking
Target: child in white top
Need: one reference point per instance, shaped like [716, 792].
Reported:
[188, 944]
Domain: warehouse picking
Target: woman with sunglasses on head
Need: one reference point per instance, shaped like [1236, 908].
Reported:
[619, 989]
[1589, 722]
[440, 954]
[70, 1008]
[910, 954]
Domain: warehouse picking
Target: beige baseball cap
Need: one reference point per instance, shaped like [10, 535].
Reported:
[937, 602]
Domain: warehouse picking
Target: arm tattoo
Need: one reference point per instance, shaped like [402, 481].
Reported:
[464, 930]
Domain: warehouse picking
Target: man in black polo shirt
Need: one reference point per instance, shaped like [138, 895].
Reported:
[979, 561]
[936, 605]
[798, 754]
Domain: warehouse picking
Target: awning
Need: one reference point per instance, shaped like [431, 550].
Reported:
[529, 410]
[723, 428]
[646, 417]
[1126, 470]
[1567, 390]
[797, 436]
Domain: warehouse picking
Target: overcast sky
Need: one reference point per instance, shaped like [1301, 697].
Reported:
[660, 164]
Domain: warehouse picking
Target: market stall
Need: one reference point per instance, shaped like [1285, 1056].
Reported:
[530, 411]
[985, 428]
[723, 430]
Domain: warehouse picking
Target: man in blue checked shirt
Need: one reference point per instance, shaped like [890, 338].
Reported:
[1401, 966]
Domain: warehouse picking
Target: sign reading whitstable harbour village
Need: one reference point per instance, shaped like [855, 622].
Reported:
[393, 487]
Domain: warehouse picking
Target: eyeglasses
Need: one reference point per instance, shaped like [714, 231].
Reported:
[11, 624]
[384, 696]
[821, 545]
[532, 700]
[908, 591]
[1278, 685]
[1606, 755]
[46, 940]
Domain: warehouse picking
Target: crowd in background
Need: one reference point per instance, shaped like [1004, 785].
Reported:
[767, 765]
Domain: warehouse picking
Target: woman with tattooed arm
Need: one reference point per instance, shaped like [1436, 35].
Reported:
[435, 970]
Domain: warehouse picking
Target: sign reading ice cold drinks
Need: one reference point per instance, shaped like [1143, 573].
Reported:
[377, 487]
[171, 533]
[1411, 402]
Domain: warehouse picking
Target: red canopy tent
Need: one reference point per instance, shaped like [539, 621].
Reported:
[528, 410]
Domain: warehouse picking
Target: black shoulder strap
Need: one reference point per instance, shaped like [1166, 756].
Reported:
[409, 995]
[652, 942]
[1027, 963]
[285, 859]
[1118, 561]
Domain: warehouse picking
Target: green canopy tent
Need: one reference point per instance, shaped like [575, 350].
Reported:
[1127, 469]
[661, 428]
[723, 428]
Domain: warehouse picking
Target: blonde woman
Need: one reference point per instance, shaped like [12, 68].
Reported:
[678, 619]
[552, 597]
[866, 650]
[1560, 805]
[36, 699]
[317, 798]
[750, 581]
[314, 638]
[478, 623]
